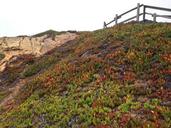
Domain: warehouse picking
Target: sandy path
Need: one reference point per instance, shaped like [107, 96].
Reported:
[8, 102]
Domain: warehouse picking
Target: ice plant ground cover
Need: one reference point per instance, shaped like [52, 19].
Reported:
[118, 77]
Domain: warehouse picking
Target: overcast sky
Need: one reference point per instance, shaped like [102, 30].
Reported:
[27, 17]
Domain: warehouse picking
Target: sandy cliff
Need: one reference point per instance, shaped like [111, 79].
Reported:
[14, 46]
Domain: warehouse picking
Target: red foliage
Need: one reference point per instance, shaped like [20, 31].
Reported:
[166, 72]
[96, 103]
[160, 81]
[111, 115]
[49, 81]
[124, 120]
[162, 94]
[167, 58]
[113, 55]
[101, 79]
[129, 76]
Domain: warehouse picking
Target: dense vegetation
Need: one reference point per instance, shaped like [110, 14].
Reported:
[112, 78]
[49, 33]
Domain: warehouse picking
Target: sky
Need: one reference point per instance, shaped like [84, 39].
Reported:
[28, 17]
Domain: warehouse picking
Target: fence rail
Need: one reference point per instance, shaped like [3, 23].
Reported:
[138, 15]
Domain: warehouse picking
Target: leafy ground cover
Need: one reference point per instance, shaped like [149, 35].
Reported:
[112, 78]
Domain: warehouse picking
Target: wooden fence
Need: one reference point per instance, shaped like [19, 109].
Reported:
[138, 14]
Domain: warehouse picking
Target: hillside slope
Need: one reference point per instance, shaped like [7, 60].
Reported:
[112, 78]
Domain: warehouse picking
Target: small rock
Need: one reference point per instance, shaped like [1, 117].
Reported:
[87, 53]
[142, 99]
[167, 103]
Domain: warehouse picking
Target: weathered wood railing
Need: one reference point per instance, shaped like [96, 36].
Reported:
[138, 15]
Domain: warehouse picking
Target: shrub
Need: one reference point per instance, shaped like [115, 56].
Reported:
[2, 56]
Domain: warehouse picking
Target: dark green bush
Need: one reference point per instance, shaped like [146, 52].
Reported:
[2, 56]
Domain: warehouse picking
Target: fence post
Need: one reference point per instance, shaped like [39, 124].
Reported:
[138, 11]
[104, 25]
[154, 17]
[144, 11]
[116, 19]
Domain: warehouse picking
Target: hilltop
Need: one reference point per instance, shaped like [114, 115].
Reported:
[111, 78]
